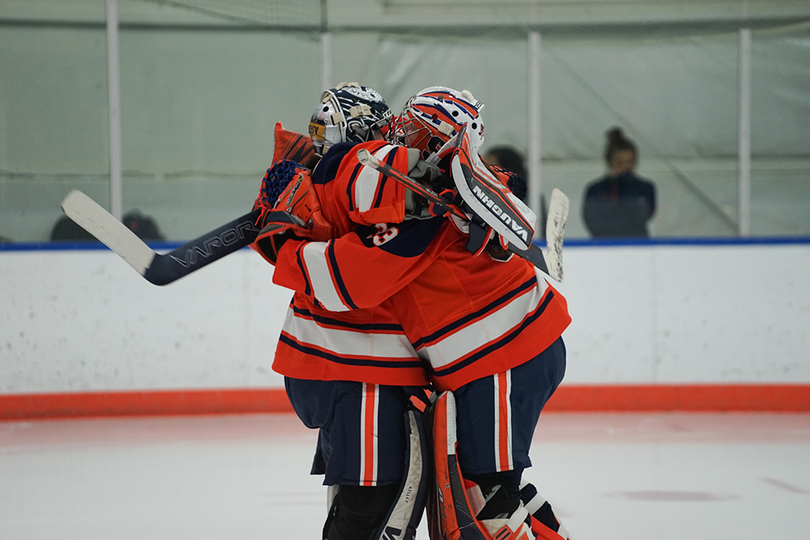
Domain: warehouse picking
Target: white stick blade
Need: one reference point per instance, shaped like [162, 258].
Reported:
[103, 225]
[555, 231]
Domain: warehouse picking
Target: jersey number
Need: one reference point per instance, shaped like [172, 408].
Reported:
[384, 234]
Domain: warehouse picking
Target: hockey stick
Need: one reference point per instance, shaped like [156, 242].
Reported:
[533, 253]
[555, 231]
[497, 206]
[159, 269]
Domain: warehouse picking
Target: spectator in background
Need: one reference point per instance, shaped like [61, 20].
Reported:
[620, 203]
[509, 159]
[145, 227]
[67, 230]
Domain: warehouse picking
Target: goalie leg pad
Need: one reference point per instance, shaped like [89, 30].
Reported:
[450, 512]
[500, 509]
[405, 514]
[545, 524]
[461, 509]
[390, 512]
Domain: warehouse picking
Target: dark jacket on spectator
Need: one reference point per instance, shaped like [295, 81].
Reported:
[619, 206]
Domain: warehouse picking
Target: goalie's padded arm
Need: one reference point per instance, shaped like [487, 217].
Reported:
[361, 270]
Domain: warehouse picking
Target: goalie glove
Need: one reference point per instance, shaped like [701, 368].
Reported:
[482, 238]
[289, 209]
[294, 147]
[432, 177]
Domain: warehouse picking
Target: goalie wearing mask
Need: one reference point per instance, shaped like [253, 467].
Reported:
[497, 361]
[349, 369]
[483, 330]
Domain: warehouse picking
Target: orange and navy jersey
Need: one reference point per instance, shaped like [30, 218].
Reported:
[360, 345]
[470, 316]
[465, 317]
[401, 302]
[343, 324]
[352, 194]
[330, 333]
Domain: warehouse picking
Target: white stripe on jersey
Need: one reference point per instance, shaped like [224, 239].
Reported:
[368, 180]
[347, 342]
[483, 331]
[323, 288]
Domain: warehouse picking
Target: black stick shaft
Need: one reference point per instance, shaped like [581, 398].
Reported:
[204, 250]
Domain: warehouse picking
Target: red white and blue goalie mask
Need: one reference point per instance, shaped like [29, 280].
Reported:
[435, 115]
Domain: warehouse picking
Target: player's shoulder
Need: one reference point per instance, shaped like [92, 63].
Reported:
[343, 155]
[326, 169]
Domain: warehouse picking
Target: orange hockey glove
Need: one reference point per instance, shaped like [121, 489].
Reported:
[295, 212]
[294, 147]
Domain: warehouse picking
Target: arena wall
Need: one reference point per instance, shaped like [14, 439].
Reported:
[713, 325]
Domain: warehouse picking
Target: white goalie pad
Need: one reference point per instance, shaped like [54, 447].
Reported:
[406, 513]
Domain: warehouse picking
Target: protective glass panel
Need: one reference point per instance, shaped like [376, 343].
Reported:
[53, 124]
[204, 81]
[780, 132]
[198, 112]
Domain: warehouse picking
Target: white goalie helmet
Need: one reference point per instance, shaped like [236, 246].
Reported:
[349, 112]
[435, 115]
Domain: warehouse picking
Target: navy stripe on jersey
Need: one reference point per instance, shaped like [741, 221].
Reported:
[299, 259]
[497, 344]
[389, 160]
[478, 314]
[349, 361]
[344, 292]
[387, 327]
[314, 301]
[350, 186]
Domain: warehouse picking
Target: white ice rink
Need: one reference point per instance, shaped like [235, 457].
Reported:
[610, 476]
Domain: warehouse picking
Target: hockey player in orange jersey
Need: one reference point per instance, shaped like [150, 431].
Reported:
[485, 327]
[350, 371]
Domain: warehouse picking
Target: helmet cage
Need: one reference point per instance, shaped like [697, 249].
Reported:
[349, 112]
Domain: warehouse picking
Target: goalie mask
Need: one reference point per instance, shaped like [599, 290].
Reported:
[435, 115]
[349, 112]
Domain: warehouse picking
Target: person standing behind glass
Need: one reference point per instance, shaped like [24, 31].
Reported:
[509, 159]
[620, 204]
